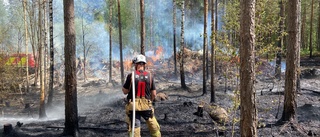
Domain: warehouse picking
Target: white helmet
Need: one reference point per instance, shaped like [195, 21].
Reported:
[139, 58]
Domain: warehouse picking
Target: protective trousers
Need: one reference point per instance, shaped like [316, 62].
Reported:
[151, 121]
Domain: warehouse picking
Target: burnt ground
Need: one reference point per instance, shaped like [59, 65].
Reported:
[101, 109]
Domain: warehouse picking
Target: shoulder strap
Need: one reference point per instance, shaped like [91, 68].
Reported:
[150, 80]
[132, 74]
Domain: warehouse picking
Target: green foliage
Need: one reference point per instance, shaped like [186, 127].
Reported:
[98, 16]
[305, 52]
[266, 21]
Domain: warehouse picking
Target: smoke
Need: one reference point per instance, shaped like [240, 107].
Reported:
[159, 27]
[100, 99]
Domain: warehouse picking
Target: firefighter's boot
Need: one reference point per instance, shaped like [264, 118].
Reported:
[136, 132]
[154, 127]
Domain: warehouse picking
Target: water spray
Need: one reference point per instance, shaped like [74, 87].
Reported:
[134, 105]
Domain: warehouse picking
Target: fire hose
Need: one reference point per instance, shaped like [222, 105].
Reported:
[134, 105]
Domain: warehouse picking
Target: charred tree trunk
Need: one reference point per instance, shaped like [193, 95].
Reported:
[204, 59]
[174, 37]
[50, 94]
[280, 42]
[311, 30]
[293, 56]
[71, 107]
[110, 41]
[142, 31]
[248, 122]
[182, 77]
[120, 39]
[213, 63]
[7, 128]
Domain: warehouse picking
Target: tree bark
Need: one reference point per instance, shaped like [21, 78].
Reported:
[311, 30]
[110, 41]
[42, 111]
[34, 43]
[45, 44]
[303, 28]
[213, 63]
[248, 120]
[293, 56]
[204, 59]
[142, 31]
[120, 39]
[85, 50]
[7, 128]
[280, 42]
[50, 94]
[174, 37]
[182, 77]
[71, 107]
[318, 32]
[26, 42]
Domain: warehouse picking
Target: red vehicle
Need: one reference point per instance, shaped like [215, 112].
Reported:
[18, 60]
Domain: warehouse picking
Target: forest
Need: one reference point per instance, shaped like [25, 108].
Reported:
[220, 67]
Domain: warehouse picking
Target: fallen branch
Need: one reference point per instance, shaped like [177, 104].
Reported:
[314, 91]
[93, 128]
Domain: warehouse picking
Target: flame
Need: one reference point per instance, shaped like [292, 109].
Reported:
[158, 54]
[127, 64]
[159, 50]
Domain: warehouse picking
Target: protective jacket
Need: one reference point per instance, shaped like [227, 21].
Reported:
[144, 84]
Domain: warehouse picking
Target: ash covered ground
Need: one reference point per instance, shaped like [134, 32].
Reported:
[101, 108]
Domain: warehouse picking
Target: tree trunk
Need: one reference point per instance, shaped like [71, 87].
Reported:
[110, 41]
[280, 42]
[182, 77]
[50, 94]
[33, 40]
[174, 37]
[303, 28]
[248, 120]
[26, 42]
[293, 56]
[71, 107]
[120, 39]
[84, 51]
[311, 30]
[42, 111]
[204, 59]
[318, 32]
[142, 32]
[151, 22]
[216, 18]
[7, 128]
[45, 44]
[213, 63]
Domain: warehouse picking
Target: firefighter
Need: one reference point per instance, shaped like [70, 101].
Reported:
[145, 92]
